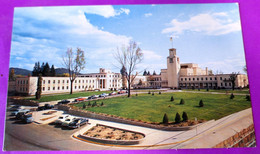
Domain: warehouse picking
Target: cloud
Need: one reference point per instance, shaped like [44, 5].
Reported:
[151, 55]
[44, 34]
[148, 14]
[219, 23]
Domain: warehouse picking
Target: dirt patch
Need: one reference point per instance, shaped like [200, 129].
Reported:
[106, 132]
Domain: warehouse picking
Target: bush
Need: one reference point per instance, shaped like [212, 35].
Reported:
[201, 104]
[153, 93]
[172, 99]
[232, 96]
[248, 98]
[84, 106]
[136, 94]
[207, 89]
[165, 119]
[160, 93]
[149, 92]
[89, 104]
[182, 101]
[102, 104]
[198, 89]
[193, 87]
[177, 118]
[184, 116]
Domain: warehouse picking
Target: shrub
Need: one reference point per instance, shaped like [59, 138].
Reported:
[193, 88]
[153, 93]
[102, 104]
[182, 101]
[172, 99]
[207, 89]
[160, 93]
[177, 118]
[149, 92]
[89, 104]
[84, 106]
[248, 98]
[136, 94]
[198, 89]
[201, 104]
[165, 119]
[232, 96]
[184, 116]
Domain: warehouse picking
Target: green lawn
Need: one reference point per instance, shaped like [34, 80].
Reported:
[150, 108]
[243, 91]
[55, 97]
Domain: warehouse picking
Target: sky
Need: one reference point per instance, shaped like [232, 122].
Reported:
[206, 34]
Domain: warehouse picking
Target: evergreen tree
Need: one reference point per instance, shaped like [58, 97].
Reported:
[84, 106]
[46, 70]
[35, 69]
[149, 92]
[201, 104]
[154, 73]
[38, 69]
[177, 118]
[148, 73]
[248, 98]
[145, 73]
[52, 73]
[160, 93]
[172, 99]
[184, 116]
[102, 104]
[42, 68]
[12, 75]
[153, 93]
[165, 119]
[39, 87]
[182, 101]
[89, 104]
[232, 96]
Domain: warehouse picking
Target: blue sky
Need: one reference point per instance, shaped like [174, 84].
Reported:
[206, 34]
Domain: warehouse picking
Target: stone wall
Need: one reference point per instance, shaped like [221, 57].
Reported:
[240, 139]
[106, 117]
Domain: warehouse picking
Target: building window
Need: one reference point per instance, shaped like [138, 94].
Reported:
[93, 81]
[62, 87]
[185, 79]
[93, 86]
[225, 84]
[82, 81]
[58, 88]
[229, 84]
[215, 78]
[189, 79]
[206, 78]
[220, 78]
[104, 75]
[49, 88]
[53, 81]
[221, 84]
[181, 79]
[75, 87]
[26, 81]
[79, 87]
[198, 79]
[210, 78]
[79, 81]
[53, 88]
[193, 79]
[89, 81]
[67, 81]
[86, 81]
[83, 86]
[43, 88]
[75, 81]
[67, 87]
[63, 81]
[89, 86]
[58, 81]
[201, 79]
[43, 81]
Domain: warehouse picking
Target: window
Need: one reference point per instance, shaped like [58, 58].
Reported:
[198, 79]
[53, 88]
[43, 88]
[23, 81]
[193, 79]
[83, 86]
[215, 78]
[79, 87]
[58, 88]
[185, 79]
[206, 78]
[89, 81]
[104, 75]
[171, 60]
[58, 81]
[49, 81]
[75, 81]
[82, 81]
[93, 86]
[225, 84]
[189, 79]
[67, 87]
[229, 84]
[201, 79]
[221, 84]
[181, 79]
[210, 78]
[86, 81]
[43, 81]
[75, 87]
[63, 81]
[93, 81]
[67, 81]
[63, 87]
[79, 81]
[26, 81]
[220, 78]
[49, 88]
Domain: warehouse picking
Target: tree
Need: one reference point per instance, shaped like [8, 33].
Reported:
[46, 70]
[129, 57]
[182, 101]
[165, 119]
[74, 62]
[84, 106]
[89, 104]
[148, 73]
[248, 98]
[36, 69]
[201, 104]
[172, 99]
[52, 73]
[233, 78]
[232, 96]
[39, 88]
[177, 118]
[12, 75]
[140, 82]
[42, 69]
[154, 73]
[184, 116]
[145, 73]
[123, 73]
[245, 69]
[102, 104]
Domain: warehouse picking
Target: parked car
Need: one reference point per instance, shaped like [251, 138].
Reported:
[79, 99]
[121, 92]
[112, 93]
[40, 108]
[61, 119]
[65, 101]
[27, 118]
[103, 95]
[67, 121]
[14, 107]
[78, 122]
[15, 112]
[45, 107]
[93, 97]
[20, 114]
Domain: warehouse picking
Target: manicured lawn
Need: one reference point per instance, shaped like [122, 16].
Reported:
[243, 91]
[56, 97]
[150, 108]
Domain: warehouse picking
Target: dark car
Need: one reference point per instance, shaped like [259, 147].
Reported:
[78, 122]
[19, 115]
[64, 102]
[14, 107]
[45, 107]
[40, 108]
[27, 118]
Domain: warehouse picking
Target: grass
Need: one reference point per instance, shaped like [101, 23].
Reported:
[150, 108]
[47, 98]
[243, 91]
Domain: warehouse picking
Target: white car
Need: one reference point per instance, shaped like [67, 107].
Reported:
[61, 119]
[68, 120]
[103, 95]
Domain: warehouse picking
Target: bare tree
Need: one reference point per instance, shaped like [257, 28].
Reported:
[74, 62]
[233, 78]
[129, 57]
[245, 69]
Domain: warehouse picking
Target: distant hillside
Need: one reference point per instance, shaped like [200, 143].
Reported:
[25, 72]
[20, 71]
